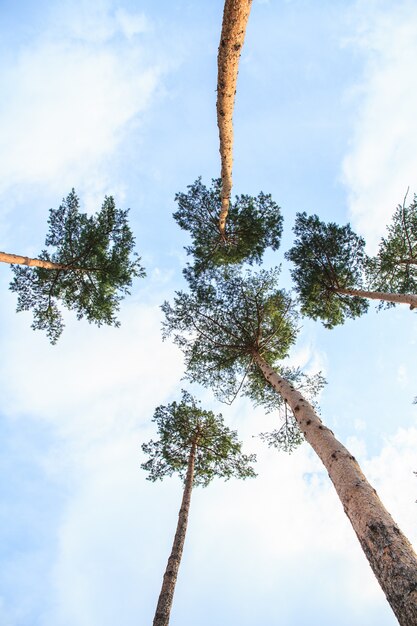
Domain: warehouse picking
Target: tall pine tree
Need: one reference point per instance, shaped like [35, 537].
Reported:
[196, 445]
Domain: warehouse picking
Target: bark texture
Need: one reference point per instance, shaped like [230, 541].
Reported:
[397, 298]
[164, 605]
[235, 19]
[15, 259]
[388, 551]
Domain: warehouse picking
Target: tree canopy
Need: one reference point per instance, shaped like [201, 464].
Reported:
[394, 268]
[253, 224]
[327, 258]
[97, 265]
[222, 326]
[218, 452]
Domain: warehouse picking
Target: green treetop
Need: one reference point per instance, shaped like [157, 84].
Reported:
[88, 267]
[328, 259]
[334, 277]
[394, 268]
[253, 224]
[223, 326]
[218, 452]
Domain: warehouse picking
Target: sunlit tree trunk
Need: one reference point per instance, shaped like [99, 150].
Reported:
[388, 551]
[163, 608]
[397, 298]
[235, 18]
[15, 259]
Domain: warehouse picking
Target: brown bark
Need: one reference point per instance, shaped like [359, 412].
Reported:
[388, 551]
[163, 608]
[235, 19]
[397, 298]
[15, 259]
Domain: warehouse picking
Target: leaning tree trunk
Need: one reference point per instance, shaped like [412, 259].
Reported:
[235, 19]
[388, 551]
[15, 259]
[397, 298]
[163, 608]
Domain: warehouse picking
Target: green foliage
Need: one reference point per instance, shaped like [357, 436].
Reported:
[218, 452]
[327, 257]
[394, 269]
[221, 325]
[252, 225]
[100, 265]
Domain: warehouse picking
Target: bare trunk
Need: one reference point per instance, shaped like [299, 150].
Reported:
[163, 608]
[397, 298]
[15, 259]
[235, 19]
[388, 551]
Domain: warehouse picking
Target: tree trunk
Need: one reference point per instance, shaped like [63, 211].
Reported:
[397, 298]
[235, 19]
[163, 608]
[15, 259]
[388, 551]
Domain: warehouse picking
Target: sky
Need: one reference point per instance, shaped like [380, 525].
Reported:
[119, 98]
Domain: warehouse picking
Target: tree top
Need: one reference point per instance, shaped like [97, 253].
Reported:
[182, 424]
[326, 258]
[97, 265]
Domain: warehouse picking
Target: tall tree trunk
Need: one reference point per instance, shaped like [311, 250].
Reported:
[388, 551]
[397, 298]
[235, 19]
[163, 608]
[15, 259]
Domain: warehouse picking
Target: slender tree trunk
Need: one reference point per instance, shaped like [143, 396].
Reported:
[235, 19]
[163, 608]
[388, 551]
[15, 259]
[397, 298]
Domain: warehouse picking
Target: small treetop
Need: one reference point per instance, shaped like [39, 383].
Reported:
[97, 265]
[394, 269]
[253, 224]
[218, 452]
[327, 257]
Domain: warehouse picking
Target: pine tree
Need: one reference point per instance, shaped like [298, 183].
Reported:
[394, 268]
[331, 268]
[196, 445]
[254, 223]
[88, 267]
[235, 333]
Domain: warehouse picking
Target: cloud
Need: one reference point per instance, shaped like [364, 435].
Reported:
[382, 161]
[72, 93]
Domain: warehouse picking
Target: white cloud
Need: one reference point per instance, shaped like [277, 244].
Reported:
[402, 376]
[71, 98]
[132, 24]
[93, 375]
[382, 161]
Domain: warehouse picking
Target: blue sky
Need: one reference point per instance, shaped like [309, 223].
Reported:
[119, 98]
